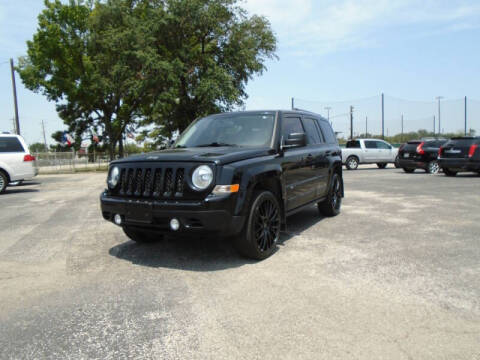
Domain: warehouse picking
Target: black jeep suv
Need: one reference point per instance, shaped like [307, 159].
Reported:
[420, 154]
[233, 174]
[460, 154]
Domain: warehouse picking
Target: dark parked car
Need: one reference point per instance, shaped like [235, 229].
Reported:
[420, 154]
[460, 154]
[234, 174]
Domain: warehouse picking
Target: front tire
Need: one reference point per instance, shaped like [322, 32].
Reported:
[140, 236]
[3, 182]
[381, 165]
[449, 172]
[260, 234]
[408, 171]
[332, 204]
[352, 163]
[433, 167]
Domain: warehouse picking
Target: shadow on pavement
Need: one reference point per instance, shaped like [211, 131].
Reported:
[16, 190]
[207, 253]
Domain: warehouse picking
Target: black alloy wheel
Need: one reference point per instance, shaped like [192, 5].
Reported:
[3, 182]
[258, 240]
[332, 204]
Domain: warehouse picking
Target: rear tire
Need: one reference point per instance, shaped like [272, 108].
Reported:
[140, 236]
[397, 162]
[433, 167]
[3, 182]
[449, 172]
[261, 232]
[332, 204]
[352, 163]
[408, 171]
[381, 165]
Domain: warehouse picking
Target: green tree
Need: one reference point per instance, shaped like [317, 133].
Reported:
[128, 63]
[37, 147]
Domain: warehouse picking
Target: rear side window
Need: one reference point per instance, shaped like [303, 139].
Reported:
[382, 145]
[10, 144]
[369, 144]
[328, 133]
[291, 125]
[353, 144]
[311, 129]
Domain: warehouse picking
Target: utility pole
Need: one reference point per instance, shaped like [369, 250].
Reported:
[434, 125]
[14, 86]
[351, 122]
[328, 108]
[383, 116]
[439, 116]
[44, 137]
[366, 126]
[465, 116]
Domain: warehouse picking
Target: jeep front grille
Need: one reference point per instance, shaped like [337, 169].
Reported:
[160, 182]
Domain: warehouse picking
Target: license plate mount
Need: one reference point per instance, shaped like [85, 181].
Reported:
[139, 212]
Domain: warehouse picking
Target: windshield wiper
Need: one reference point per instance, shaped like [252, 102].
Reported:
[215, 144]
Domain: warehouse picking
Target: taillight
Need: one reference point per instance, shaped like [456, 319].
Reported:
[420, 149]
[28, 158]
[472, 150]
[440, 151]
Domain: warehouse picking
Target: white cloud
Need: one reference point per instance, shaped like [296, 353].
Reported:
[307, 26]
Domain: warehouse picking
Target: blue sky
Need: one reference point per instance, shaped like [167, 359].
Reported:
[329, 51]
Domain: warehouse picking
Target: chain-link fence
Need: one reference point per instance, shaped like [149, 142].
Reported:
[58, 162]
[439, 116]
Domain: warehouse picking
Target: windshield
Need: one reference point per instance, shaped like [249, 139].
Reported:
[252, 130]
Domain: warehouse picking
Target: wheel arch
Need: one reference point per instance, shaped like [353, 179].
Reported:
[270, 179]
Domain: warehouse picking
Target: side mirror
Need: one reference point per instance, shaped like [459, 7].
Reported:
[295, 140]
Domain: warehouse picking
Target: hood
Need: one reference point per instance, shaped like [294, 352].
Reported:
[218, 155]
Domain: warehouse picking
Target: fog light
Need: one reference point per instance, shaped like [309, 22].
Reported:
[174, 224]
[117, 219]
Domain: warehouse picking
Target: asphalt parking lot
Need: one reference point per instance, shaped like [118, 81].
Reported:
[396, 275]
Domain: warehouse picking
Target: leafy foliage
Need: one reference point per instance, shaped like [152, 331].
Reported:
[115, 64]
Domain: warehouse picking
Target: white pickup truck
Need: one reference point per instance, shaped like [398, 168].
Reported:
[369, 151]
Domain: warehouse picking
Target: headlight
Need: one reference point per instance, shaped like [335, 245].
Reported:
[202, 177]
[114, 177]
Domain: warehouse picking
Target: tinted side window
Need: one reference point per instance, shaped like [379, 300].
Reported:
[382, 145]
[10, 144]
[311, 129]
[353, 144]
[369, 144]
[291, 125]
[328, 133]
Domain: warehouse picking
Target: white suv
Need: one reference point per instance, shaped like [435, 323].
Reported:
[16, 163]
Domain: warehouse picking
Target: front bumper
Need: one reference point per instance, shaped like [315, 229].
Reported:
[456, 164]
[155, 215]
